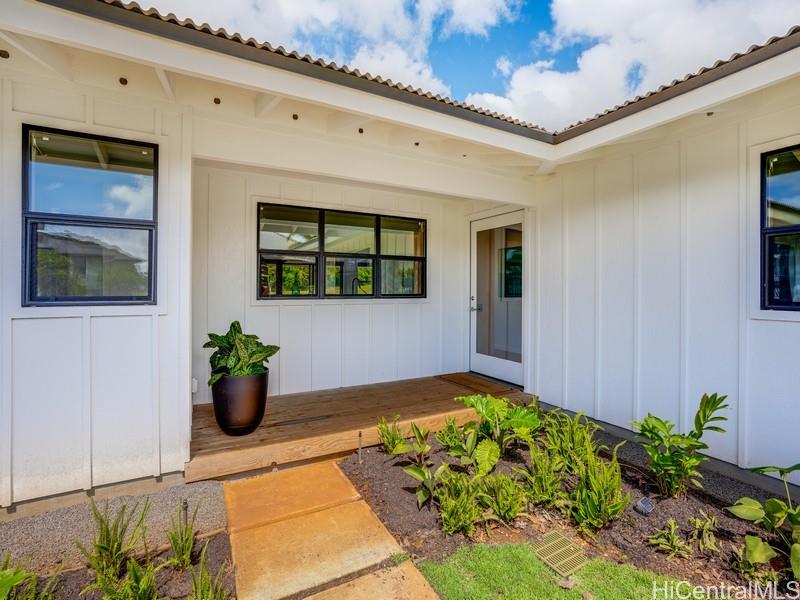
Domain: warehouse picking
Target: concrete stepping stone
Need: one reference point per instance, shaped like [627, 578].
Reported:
[403, 582]
[295, 554]
[285, 494]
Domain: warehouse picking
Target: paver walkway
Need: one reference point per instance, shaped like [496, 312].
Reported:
[302, 528]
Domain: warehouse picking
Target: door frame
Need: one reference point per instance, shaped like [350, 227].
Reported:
[526, 216]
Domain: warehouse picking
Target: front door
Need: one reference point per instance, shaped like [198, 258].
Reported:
[496, 297]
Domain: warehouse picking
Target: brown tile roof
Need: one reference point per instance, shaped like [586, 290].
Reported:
[133, 15]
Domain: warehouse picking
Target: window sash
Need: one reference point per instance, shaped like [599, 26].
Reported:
[30, 219]
[321, 254]
[767, 234]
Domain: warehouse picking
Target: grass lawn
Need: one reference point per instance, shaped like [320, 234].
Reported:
[513, 572]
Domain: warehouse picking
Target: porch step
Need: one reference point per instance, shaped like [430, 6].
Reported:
[299, 529]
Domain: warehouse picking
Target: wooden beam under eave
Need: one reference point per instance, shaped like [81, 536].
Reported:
[48, 55]
[167, 81]
[266, 103]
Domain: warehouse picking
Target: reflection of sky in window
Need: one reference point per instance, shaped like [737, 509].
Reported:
[61, 189]
[784, 189]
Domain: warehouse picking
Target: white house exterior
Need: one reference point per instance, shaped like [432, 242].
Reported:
[641, 237]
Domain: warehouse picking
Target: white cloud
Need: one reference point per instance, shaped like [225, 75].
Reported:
[132, 201]
[386, 37]
[503, 66]
[654, 40]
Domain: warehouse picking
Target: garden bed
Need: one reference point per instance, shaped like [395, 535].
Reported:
[173, 584]
[390, 493]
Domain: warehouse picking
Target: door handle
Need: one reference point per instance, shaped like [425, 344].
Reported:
[476, 308]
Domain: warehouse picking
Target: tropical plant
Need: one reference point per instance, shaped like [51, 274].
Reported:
[486, 456]
[779, 518]
[752, 562]
[674, 457]
[182, 536]
[16, 583]
[501, 422]
[420, 447]
[394, 442]
[451, 436]
[669, 541]
[139, 583]
[703, 533]
[466, 449]
[205, 587]
[597, 498]
[457, 497]
[427, 479]
[114, 539]
[237, 354]
[570, 440]
[542, 479]
[503, 496]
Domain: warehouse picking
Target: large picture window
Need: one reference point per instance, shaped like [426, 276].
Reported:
[89, 219]
[780, 229]
[309, 252]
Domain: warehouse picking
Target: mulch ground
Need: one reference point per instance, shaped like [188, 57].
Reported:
[172, 584]
[390, 493]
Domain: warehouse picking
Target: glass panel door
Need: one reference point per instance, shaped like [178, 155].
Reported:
[496, 297]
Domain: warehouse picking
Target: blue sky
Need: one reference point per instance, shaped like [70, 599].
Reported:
[550, 62]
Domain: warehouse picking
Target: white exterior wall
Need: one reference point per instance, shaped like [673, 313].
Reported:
[93, 395]
[649, 285]
[326, 343]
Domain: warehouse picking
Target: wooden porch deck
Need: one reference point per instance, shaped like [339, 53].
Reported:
[300, 427]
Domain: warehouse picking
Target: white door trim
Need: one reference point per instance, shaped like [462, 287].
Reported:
[498, 368]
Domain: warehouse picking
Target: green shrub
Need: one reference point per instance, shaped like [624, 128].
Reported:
[17, 583]
[451, 436]
[674, 457]
[570, 440]
[182, 537]
[465, 450]
[503, 496]
[752, 561]
[669, 541]
[703, 533]
[501, 422]
[427, 479]
[237, 354]
[114, 539]
[597, 499]
[457, 497]
[779, 518]
[394, 442]
[139, 584]
[205, 587]
[420, 448]
[542, 479]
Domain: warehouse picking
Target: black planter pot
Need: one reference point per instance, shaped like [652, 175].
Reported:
[239, 402]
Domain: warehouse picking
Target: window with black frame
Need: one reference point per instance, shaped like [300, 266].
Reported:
[89, 219]
[308, 252]
[780, 233]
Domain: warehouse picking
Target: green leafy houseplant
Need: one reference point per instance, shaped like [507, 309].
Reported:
[237, 354]
[205, 587]
[428, 480]
[674, 457]
[542, 479]
[779, 518]
[392, 439]
[139, 583]
[182, 537]
[570, 440]
[703, 533]
[503, 496]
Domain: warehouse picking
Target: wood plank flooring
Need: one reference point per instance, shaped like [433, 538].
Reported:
[310, 425]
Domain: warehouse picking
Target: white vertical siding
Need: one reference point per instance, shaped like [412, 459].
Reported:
[660, 263]
[333, 342]
[93, 395]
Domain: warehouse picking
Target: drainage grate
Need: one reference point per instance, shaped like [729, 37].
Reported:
[559, 553]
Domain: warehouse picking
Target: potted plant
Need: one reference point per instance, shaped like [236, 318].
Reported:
[239, 379]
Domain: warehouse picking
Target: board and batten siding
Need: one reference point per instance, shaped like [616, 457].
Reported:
[648, 289]
[325, 343]
[93, 395]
